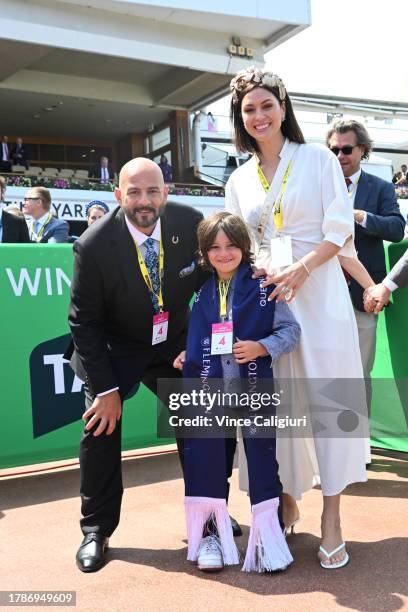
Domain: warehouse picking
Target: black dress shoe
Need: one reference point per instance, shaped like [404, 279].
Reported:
[91, 554]
[236, 529]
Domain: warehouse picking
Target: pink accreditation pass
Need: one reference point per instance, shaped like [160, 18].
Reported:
[221, 338]
[160, 327]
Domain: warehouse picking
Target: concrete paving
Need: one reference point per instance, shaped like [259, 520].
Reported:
[147, 568]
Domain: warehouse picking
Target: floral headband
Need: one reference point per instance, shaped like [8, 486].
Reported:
[259, 78]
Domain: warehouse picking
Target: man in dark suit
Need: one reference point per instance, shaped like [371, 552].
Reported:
[43, 227]
[377, 218]
[102, 172]
[19, 154]
[12, 228]
[138, 260]
[5, 163]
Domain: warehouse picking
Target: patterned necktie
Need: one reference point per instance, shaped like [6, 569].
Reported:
[36, 228]
[348, 183]
[152, 265]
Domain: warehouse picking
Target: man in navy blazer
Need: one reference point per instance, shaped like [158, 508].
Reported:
[43, 227]
[19, 154]
[377, 218]
[102, 171]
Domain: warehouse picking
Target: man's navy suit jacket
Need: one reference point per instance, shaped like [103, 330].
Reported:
[55, 231]
[384, 222]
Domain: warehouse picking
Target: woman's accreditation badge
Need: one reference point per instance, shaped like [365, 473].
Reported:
[160, 327]
[281, 252]
[221, 338]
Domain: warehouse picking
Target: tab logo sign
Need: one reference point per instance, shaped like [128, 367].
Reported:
[56, 392]
[57, 397]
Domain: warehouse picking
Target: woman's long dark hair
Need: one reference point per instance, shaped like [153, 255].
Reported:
[246, 143]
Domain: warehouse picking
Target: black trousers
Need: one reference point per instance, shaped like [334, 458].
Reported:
[100, 462]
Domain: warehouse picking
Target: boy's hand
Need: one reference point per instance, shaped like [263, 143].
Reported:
[247, 350]
[179, 361]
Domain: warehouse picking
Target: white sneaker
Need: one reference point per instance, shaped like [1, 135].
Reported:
[210, 554]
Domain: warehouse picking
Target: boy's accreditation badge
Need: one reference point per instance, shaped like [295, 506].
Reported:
[160, 327]
[221, 338]
[281, 252]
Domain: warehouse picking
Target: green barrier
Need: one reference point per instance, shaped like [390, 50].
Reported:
[41, 398]
[389, 415]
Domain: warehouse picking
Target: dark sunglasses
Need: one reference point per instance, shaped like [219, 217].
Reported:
[347, 150]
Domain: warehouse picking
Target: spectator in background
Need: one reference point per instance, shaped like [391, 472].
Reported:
[5, 164]
[2, 190]
[402, 176]
[43, 227]
[12, 228]
[377, 218]
[211, 123]
[102, 172]
[95, 210]
[166, 169]
[19, 154]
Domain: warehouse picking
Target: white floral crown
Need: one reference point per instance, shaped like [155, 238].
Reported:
[259, 78]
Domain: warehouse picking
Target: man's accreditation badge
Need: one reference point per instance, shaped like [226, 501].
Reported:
[221, 338]
[160, 327]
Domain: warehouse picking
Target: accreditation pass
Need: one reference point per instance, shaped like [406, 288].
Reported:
[160, 327]
[281, 252]
[221, 338]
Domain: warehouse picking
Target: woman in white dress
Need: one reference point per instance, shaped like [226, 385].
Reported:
[297, 191]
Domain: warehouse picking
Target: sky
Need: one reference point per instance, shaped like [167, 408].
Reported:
[354, 48]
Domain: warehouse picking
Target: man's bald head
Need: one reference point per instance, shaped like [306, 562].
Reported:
[142, 193]
[140, 166]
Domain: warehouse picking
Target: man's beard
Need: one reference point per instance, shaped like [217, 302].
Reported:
[137, 218]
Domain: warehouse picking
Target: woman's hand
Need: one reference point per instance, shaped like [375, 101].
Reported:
[179, 361]
[248, 350]
[287, 282]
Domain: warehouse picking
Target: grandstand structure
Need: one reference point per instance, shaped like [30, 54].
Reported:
[86, 78]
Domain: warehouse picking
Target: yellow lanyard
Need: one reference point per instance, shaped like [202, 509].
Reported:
[146, 275]
[223, 287]
[37, 237]
[277, 207]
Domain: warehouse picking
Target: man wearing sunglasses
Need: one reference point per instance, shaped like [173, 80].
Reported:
[377, 218]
